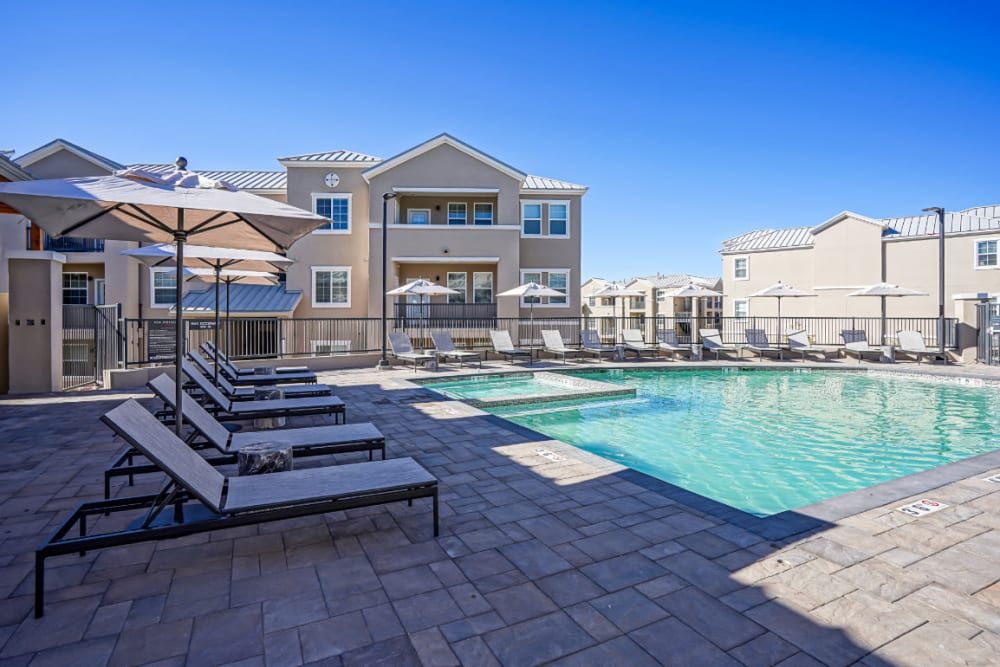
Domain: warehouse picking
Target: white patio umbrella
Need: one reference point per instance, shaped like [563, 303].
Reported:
[695, 292]
[531, 290]
[614, 291]
[780, 290]
[422, 287]
[135, 205]
[215, 260]
[883, 290]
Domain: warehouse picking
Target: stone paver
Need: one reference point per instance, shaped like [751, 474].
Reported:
[574, 562]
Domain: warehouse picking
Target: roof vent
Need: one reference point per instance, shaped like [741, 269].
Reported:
[181, 163]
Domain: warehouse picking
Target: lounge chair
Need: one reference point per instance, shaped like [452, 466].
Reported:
[591, 344]
[911, 343]
[198, 498]
[209, 348]
[635, 343]
[798, 341]
[856, 343]
[247, 393]
[283, 407]
[245, 376]
[711, 339]
[666, 340]
[402, 348]
[444, 347]
[554, 345]
[503, 345]
[757, 342]
[207, 431]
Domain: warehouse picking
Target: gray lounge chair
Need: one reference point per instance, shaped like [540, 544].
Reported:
[209, 348]
[591, 344]
[798, 341]
[503, 345]
[856, 343]
[635, 343]
[666, 340]
[555, 346]
[198, 498]
[444, 347]
[247, 393]
[245, 376]
[757, 342]
[402, 348]
[711, 339]
[209, 432]
[911, 343]
[284, 407]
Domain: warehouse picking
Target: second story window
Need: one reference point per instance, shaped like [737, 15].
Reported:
[558, 223]
[337, 208]
[457, 281]
[164, 287]
[741, 268]
[331, 287]
[661, 295]
[741, 308]
[74, 287]
[457, 213]
[558, 281]
[483, 214]
[986, 253]
[531, 219]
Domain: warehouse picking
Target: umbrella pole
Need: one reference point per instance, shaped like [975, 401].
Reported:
[228, 325]
[179, 238]
[218, 275]
[882, 337]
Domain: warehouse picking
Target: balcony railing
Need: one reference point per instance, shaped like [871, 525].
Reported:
[441, 312]
[67, 244]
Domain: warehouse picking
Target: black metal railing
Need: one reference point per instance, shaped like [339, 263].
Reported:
[67, 244]
[93, 341]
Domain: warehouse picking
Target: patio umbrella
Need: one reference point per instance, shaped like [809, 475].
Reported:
[695, 292]
[613, 291]
[780, 290]
[883, 290]
[422, 287]
[136, 205]
[531, 290]
[215, 260]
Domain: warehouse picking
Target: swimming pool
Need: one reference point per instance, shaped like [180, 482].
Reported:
[766, 441]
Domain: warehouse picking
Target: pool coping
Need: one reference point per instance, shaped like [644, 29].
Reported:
[791, 523]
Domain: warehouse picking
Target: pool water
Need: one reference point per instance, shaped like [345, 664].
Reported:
[486, 387]
[768, 441]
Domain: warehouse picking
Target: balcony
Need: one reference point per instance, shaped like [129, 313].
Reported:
[67, 244]
[453, 315]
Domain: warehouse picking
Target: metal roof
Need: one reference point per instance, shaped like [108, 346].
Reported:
[769, 239]
[245, 299]
[33, 155]
[660, 281]
[927, 225]
[244, 180]
[332, 156]
[983, 211]
[542, 183]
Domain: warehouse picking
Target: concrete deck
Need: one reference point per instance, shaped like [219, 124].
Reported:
[546, 554]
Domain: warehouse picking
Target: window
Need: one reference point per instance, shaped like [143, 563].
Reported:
[558, 281]
[331, 287]
[531, 219]
[483, 214]
[482, 287]
[531, 277]
[986, 253]
[164, 286]
[337, 207]
[592, 300]
[661, 296]
[638, 303]
[557, 219]
[457, 281]
[607, 301]
[74, 288]
[741, 268]
[457, 213]
[418, 216]
[741, 308]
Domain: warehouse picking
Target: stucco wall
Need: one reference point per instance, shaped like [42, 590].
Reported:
[63, 164]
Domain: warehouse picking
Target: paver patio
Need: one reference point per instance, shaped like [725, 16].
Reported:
[567, 559]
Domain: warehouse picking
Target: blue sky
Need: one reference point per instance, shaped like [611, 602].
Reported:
[690, 121]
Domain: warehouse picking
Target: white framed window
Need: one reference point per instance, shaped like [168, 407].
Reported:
[558, 219]
[337, 207]
[418, 216]
[531, 219]
[458, 213]
[607, 301]
[458, 280]
[331, 287]
[531, 277]
[741, 308]
[661, 296]
[557, 279]
[986, 254]
[482, 213]
[329, 348]
[741, 268]
[482, 287]
[163, 288]
[592, 300]
[74, 288]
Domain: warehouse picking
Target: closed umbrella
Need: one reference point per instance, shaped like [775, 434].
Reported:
[780, 290]
[695, 292]
[135, 205]
[422, 287]
[883, 290]
[613, 291]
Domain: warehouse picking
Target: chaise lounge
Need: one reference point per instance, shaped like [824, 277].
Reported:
[757, 342]
[635, 343]
[444, 348]
[503, 345]
[711, 339]
[248, 392]
[666, 340]
[856, 343]
[911, 343]
[209, 348]
[402, 348]
[555, 346]
[591, 343]
[798, 341]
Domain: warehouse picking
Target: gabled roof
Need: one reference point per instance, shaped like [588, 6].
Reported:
[542, 184]
[769, 239]
[341, 157]
[245, 299]
[927, 225]
[11, 171]
[56, 145]
[661, 281]
[242, 179]
[983, 211]
[443, 139]
[844, 215]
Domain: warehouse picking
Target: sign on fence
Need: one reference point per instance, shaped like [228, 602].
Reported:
[196, 325]
[161, 340]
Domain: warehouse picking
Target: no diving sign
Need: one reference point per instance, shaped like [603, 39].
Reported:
[922, 507]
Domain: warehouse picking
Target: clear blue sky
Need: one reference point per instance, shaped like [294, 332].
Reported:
[690, 121]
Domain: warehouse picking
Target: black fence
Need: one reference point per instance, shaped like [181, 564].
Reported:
[92, 341]
[988, 341]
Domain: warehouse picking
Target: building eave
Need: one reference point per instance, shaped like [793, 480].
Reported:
[56, 145]
[443, 139]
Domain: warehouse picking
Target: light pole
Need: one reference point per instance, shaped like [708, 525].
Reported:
[940, 216]
[384, 361]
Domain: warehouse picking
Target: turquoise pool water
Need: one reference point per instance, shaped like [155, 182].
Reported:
[768, 441]
[497, 386]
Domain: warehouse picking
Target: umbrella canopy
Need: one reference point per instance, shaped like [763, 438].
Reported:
[421, 287]
[694, 291]
[208, 256]
[884, 290]
[614, 291]
[531, 289]
[135, 205]
[780, 290]
[232, 275]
